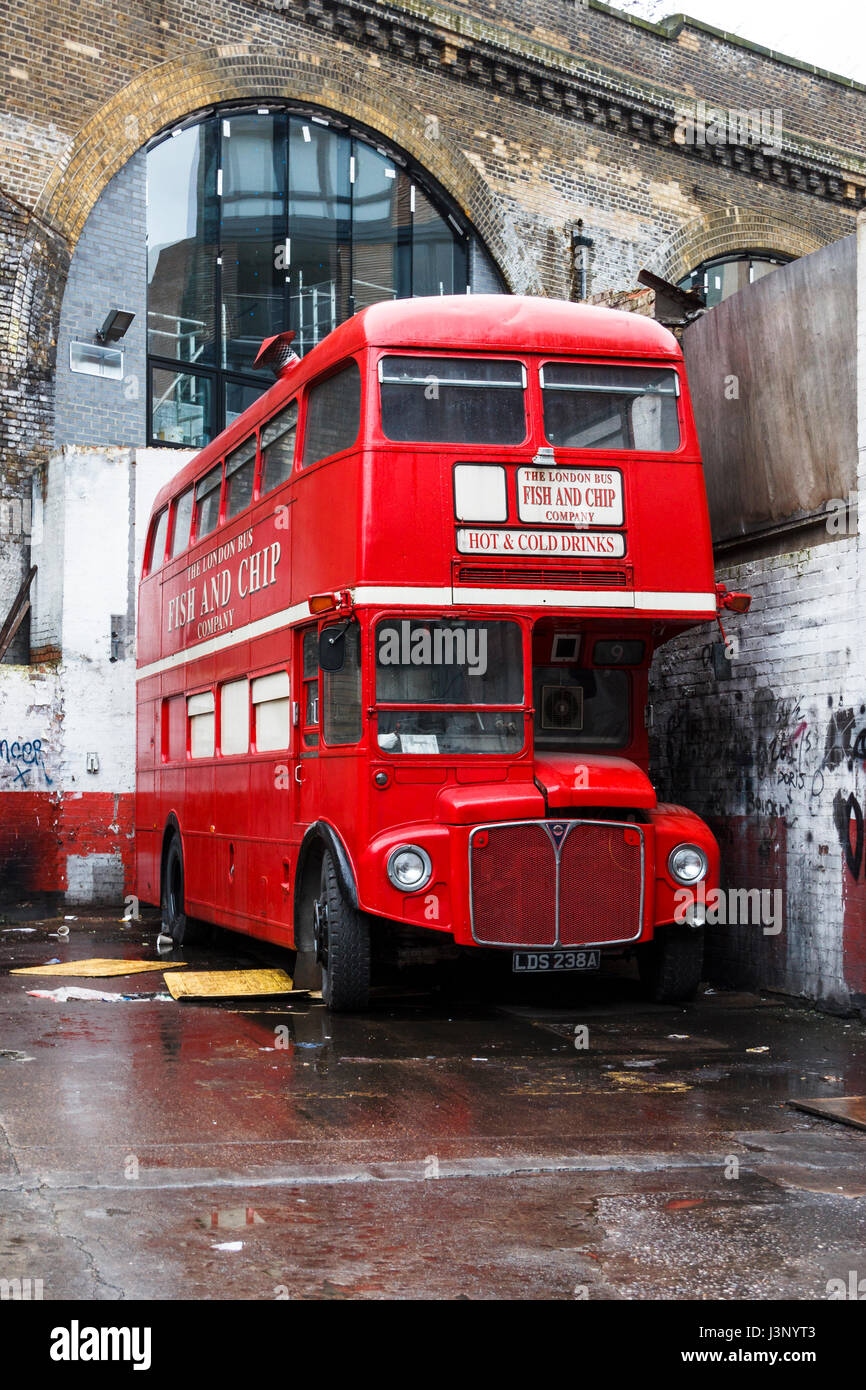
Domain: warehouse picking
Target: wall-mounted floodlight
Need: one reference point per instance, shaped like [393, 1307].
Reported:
[116, 323]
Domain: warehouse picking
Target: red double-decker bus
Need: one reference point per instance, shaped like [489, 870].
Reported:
[395, 626]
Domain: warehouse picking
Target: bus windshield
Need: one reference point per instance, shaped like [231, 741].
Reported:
[452, 400]
[588, 406]
[442, 663]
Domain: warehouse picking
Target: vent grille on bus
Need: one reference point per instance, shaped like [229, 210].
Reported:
[520, 577]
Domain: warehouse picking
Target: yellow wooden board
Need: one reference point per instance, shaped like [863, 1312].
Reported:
[97, 968]
[228, 984]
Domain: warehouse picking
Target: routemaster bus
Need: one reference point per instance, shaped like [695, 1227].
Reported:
[395, 627]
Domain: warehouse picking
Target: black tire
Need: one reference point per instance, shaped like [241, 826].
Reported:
[342, 945]
[671, 965]
[183, 930]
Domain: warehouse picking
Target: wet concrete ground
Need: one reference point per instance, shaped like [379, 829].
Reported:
[452, 1143]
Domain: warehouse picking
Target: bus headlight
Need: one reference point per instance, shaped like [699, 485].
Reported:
[409, 868]
[687, 864]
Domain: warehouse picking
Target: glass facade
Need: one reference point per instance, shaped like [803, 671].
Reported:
[723, 276]
[259, 221]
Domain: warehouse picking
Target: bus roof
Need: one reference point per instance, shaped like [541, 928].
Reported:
[457, 322]
[502, 323]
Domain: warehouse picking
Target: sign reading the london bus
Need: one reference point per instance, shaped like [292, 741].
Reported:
[570, 496]
[395, 629]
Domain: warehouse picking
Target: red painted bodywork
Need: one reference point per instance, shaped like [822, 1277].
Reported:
[380, 516]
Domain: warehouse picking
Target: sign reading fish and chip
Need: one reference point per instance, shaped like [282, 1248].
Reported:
[570, 496]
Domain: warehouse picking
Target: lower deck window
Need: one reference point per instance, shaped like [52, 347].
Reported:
[234, 717]
[435, 731]
[272, 707]
[446, 663]
[577, 708]
[342, 720]
[200, 711]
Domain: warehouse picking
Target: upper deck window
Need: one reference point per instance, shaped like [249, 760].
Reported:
[157, 547]
[182, 522]
[207, 496]
[278, 447]
[590, 406]
[240, 475]
[452, 400]
[333, 414]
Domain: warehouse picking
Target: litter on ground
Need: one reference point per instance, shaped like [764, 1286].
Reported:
[67, 992]
[228, 984]
[97, 968]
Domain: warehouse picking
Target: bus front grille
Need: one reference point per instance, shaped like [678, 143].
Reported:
[556, 883]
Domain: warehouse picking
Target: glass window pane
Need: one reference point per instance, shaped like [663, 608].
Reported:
[580, 709]
[272, 725]
[240, 395]
[341, 693]
[202, 724]
[311, 653]
[182, 523]
[381, 229]
[181, 408]
[594, 407]
[278, 447]
[333, 414]
[311, 702]
[438, 259]
[438, 731]
[234, 717]
[272, 711]
[157, 549]
[182, 240]
[465, 400]
[240, 476]
[253, 230]
[208, 502]
[320, 209]
[448, 662]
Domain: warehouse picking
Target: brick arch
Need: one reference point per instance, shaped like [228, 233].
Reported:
[164, 95]
[717, 233]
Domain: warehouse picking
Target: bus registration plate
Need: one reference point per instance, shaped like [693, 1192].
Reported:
[534, 962]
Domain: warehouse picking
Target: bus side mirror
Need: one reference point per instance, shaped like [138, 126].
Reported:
[332, 647]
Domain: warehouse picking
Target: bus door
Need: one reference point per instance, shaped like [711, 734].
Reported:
[305, 750]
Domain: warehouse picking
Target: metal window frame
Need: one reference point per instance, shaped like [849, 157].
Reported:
[356, 134]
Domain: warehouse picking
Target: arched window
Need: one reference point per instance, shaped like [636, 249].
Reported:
[719, 278]
[263, 220]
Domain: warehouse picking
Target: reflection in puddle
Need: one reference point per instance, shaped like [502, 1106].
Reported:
[231, 1218]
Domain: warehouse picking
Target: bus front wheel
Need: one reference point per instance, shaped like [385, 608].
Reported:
[342, 945]
[670, 965]
[182, 929]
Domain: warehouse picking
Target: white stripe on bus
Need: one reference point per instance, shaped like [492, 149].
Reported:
[407, 597]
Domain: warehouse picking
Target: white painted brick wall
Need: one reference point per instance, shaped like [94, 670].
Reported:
[88, 541]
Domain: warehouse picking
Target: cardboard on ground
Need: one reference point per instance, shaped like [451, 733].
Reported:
[97, 968]
[228, 984]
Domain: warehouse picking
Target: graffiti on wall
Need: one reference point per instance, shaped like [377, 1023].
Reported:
[768, 772]
[24, 761]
